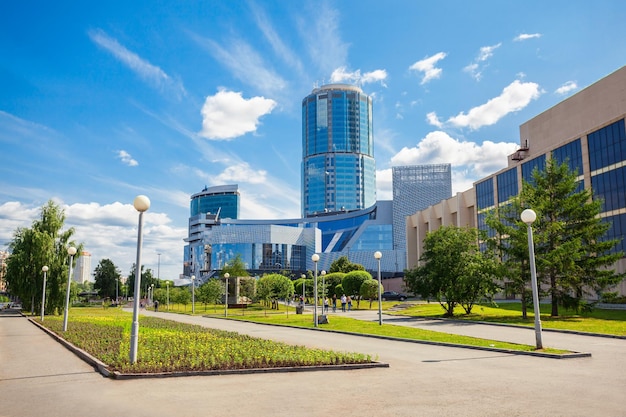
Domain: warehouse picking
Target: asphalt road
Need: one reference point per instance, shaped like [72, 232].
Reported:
[39, 377]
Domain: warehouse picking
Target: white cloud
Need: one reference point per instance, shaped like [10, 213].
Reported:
[246, 64]
[148, 72]
[341, 75]
[432, 119]
[109, 231]
[514, 97]
[470, 161]
[475, 68]
[227, 115]
[321, 34]
[127, 159]
[241, 172]
[526, 36]
[427, 67]
[566, 88]
[384, 184]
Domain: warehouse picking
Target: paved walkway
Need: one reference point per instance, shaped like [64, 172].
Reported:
[38, 377]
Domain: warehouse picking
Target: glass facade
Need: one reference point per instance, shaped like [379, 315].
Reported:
[607, 146]
[484, 194]
[416, 187]
[223, 199]
[528, 168]
[507, 185]
[338, 168]
[572, 153]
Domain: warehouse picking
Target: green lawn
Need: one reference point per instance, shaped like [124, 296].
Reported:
[611, 322]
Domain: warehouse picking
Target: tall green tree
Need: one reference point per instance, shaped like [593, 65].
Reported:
[344, 265]
[453, 271]
[107, 279]
[574, 257]
[511, 244]
[147, 280]
[45, 243]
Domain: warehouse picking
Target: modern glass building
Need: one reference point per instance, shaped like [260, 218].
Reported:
[338, 168]
[416, 187]
[587, 130]
[222, 200]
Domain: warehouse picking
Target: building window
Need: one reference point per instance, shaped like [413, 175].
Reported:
[507, 185]
[607, 146]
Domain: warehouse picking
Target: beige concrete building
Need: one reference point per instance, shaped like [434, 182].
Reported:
[587, 129]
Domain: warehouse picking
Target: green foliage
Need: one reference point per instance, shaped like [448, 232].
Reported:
[31, 248]
[147, 280]
[210, 292]
[453, 270]
[344, 265]
[352, 282]
[235, 267]
[332, 280]
[274, 286]
[168, 346]
[106, 276]
[369, 290]
[573, 254]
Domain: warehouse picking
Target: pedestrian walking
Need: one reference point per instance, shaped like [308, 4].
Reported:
[343, 303]
[334, 303]
[325, 304]
[349, 303]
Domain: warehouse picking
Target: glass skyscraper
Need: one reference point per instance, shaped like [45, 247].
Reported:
[338, 168]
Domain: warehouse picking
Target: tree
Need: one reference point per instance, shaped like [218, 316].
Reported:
[344, 265]
[147, 280]
[210, 292]
[235, 267]
[369, 290]
[107, 277]
[352, 282]
[570, 237]
[511, 244]
[271, 287]
[453, 270]
[31, 248]
[332, 281]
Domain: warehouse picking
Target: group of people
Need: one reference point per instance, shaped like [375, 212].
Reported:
[346, 301]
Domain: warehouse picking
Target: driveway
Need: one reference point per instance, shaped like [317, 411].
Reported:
[38, 377]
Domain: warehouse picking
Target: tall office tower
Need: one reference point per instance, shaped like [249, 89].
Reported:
[82, 271]
[338, 168]
[417, 187]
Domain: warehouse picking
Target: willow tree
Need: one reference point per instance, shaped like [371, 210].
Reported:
[45, 243]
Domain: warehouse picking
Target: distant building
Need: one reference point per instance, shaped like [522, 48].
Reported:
[82, 270]
[587, 129]
[416, 187]
[338, 168]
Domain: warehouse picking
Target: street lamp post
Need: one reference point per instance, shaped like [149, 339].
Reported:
[141, 204]
[315, 258]
[379, 255]
[323, 273]
[43, 294]
[70, 251]
[303, 291]
[167, 286]
[226, 276]
[193, 294]
[529, 216]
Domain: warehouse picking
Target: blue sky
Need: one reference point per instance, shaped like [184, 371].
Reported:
[103, 101]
